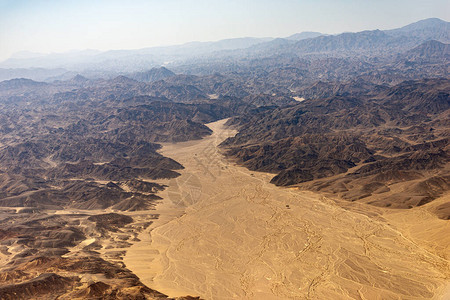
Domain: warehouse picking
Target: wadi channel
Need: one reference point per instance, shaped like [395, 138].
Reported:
[225, 232]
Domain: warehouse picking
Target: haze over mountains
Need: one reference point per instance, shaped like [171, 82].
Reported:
[359, 119]
[179, 58]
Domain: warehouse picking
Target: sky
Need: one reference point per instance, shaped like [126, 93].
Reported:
[61, 26]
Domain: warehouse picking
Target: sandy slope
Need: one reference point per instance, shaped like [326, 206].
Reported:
[241, 237]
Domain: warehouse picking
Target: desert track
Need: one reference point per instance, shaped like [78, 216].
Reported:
[225, 232]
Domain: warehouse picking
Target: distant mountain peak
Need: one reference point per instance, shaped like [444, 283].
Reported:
[424, 30]
[427, 22]
[431, 43]
[20, 83]
[151, 75]
[123, 79]
[422, 24]
[79, 78]
[164, 69]
[429, 50]
[304, 35]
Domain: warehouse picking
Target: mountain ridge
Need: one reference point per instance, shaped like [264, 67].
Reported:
[133, 60]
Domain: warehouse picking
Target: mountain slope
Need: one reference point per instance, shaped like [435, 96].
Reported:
[154, 74]
[430, 50]
[358, 148]
[304, 35]
[370, 42]
[428, 29]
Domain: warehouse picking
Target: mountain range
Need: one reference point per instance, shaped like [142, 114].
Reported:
[360, 119]
[111, 63]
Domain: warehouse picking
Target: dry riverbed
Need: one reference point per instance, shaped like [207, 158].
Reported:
[225, 232]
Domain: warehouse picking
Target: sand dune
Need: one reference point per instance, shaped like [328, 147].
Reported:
[225, 232]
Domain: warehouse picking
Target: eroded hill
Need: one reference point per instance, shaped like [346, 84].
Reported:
[387, 149]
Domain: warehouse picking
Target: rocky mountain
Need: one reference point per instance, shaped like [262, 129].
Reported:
[429, 51]
[365, 42]
[304, 35]
[127, 60]
[348, 42]
[20, 83]
[355, 144]
[85, 148]
[103, 64]
[154, 74]
[428, 29]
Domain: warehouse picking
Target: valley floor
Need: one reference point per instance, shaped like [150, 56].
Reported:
[225, 232]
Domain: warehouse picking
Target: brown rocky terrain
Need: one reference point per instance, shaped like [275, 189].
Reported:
[77, 174]
[351, 132]
[387, 149]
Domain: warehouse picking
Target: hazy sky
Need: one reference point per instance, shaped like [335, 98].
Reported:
[57, 26]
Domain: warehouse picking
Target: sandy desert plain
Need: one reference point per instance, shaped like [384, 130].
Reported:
[225, 232]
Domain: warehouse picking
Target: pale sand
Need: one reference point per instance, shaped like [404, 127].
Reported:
[237, 239]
